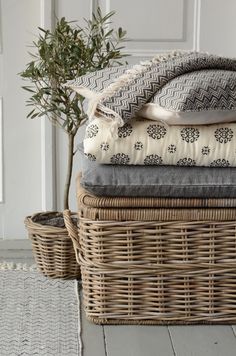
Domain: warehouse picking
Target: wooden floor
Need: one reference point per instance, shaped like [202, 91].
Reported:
[149, 340]
[128, 340]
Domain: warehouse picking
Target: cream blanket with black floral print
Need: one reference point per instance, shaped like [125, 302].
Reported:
[146, 142]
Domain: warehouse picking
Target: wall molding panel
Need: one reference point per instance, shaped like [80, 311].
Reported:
[1, 151]
[197, 25]
[0, 26]
[94, 4]
[48, 160]
[181, 38]
[173, 25]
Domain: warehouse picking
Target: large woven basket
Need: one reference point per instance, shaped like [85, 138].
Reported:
[52, 247]
[157, 261]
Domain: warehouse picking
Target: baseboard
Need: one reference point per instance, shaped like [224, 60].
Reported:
[20, 244]
[15, 250]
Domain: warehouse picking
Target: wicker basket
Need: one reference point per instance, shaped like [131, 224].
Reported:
[156, 264]
[52, 247]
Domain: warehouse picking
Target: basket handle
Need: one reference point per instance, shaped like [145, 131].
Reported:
[72, 231]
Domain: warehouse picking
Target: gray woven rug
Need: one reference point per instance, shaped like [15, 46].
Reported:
[38, 316]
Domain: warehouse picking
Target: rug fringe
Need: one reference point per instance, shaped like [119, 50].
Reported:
[17, 266]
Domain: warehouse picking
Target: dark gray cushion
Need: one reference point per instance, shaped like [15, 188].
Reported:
[159, 181]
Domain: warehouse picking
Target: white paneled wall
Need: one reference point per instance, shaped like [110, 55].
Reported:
[48, 132]
[72, 10]
[21, 138]
[32, 153]
[168, 25]
[217, 27]
[1, 153]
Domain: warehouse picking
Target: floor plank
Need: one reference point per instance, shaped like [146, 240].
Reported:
[234, 329]
[218, 340]
[15, 255]
[138, 341]
[92, 338]
[19, 244]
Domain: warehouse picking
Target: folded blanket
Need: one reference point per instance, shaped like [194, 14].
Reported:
[126, 94]
[146, 142]
[158, 181]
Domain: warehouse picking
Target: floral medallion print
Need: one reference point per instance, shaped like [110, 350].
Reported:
[91, 131]
[220, 163]
[186, 162]
[120, 158]
[205, 150]
[189, 134]
[125, 131]
[90, 156]
[153, 143]
[224, 135]
[104, 146]
[172, 148]
[156, 131]
[153, 160]
[138, 146]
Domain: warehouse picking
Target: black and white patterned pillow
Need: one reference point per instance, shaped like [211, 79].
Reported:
[199, 91]
[98, 80]
[121, 92]
[195, 98]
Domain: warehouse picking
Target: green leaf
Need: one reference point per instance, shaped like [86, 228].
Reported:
[120, 31]
[28, 89]
[30, 113]
[34, 115]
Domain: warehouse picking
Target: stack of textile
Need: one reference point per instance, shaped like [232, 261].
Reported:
[175, 111]
[157, 206]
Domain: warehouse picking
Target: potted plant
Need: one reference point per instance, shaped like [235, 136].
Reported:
[65, 53]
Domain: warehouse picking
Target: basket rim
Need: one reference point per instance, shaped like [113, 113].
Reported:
[29, 221]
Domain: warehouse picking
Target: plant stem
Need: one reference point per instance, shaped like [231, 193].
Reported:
[71, 138]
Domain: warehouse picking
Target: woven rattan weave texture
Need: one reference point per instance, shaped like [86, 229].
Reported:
[158, 265]
[52, 247]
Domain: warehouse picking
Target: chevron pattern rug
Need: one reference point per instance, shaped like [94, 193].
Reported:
[38, 316]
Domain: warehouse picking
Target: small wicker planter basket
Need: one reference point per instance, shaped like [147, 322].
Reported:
[157, 261]
[52, 247]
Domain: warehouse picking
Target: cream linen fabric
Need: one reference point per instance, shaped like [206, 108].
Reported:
[146, 142]
[156, 112]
